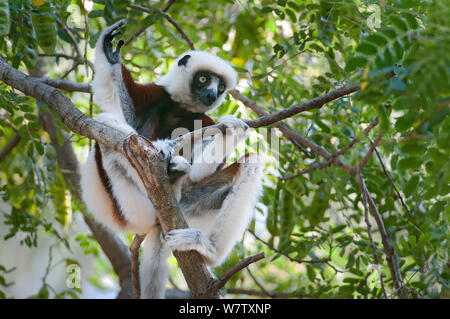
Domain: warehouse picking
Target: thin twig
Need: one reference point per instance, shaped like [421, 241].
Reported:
[391, 254]
[179, 29]
[134, 252]
[140, 31]
[272, 294]
[297, 108]
[290, 134]
[369, 152]
[369, 232]
[258, 283]
[75, 65]
[389, 177]
[9, 146]
[335, 155]
[219, 283]
[300, 261]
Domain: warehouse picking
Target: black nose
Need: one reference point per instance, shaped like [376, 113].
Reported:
[211, 97]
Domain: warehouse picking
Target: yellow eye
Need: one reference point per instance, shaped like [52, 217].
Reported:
[202, 79]
[221, 88]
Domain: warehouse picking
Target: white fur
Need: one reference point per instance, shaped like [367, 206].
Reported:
[103, 86]
[208, 155]
[177, 80]
[213, 233]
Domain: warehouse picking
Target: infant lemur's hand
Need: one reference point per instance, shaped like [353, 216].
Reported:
[232, 122]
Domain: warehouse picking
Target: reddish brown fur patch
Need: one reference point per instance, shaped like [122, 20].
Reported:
[117, 213]
[141, 94]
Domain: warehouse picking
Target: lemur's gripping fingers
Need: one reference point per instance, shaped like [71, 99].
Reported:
[164, 147]
[113, 57]
[178, 167]
[232, 122]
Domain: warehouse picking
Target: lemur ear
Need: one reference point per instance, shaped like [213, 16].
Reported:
[183, 61]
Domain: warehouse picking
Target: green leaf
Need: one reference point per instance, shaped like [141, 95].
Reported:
[355, 63]
[412, 241]
[411, 186]
[377, 39]
[411, 20]
[367, 48]
[5, 21]
[399, 23]
[424, 238]
[45, 27]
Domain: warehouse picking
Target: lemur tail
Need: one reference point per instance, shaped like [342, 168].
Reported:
[154, 272]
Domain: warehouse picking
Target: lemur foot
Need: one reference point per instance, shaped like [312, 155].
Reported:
[189, 239]
[232, 122]
[113, 57]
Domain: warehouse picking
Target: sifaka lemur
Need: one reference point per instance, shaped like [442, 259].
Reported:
[217, 201]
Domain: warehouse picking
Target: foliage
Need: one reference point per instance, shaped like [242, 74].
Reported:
[285, 52]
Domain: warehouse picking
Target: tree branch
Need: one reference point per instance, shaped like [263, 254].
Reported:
[134, 251]
[389, 250]
[218, 284]
[9, 146]
[112, 246]
[369, 232]
[140, 31]
[290, 134]
[299, 261]
[315, 103]
[335, 155]
[399, 196]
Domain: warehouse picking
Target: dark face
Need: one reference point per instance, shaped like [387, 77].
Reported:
[206, 87]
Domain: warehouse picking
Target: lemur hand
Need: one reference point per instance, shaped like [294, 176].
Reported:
[232, 122]
[178, 165]
[113, 57]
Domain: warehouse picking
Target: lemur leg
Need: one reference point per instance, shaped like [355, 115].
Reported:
[154, 271]
[126, 185]
[215, 230]
[210, 152]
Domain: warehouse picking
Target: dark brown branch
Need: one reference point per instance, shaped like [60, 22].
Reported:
[335, 155]
[290, 134]
[314, 103]
[67, 85]
[267, 293]
[79, 58]
[369, 232]
[369, 152]
[169, 19]
[140, 31]
[389, 250]
[168, 5]
[257, 293]
[9, 146]
[152, 170]
[75, 65]
[179, 29]
[399, 196]
[134, 252]
[299, 261]
[112, 246]
[218, 284]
